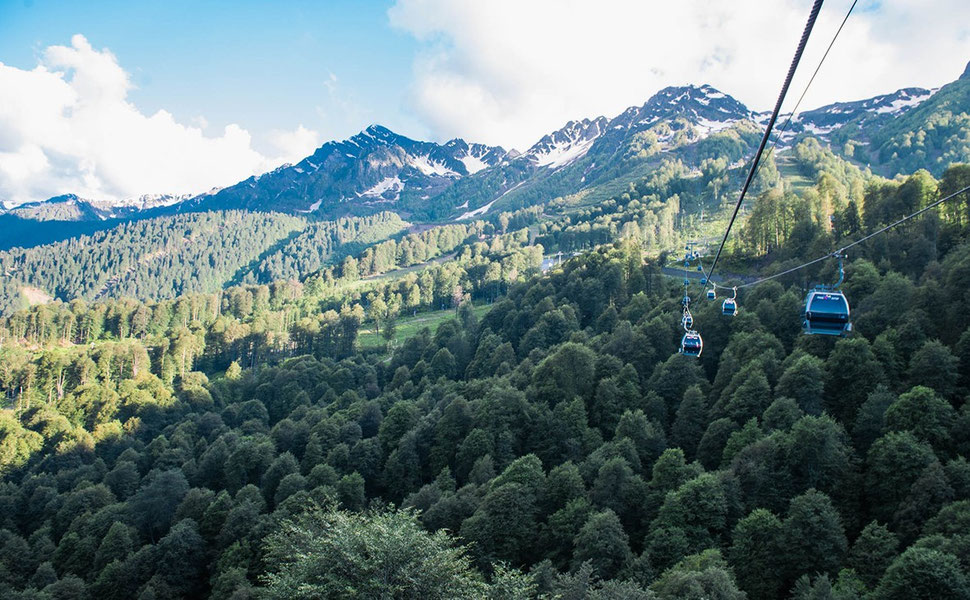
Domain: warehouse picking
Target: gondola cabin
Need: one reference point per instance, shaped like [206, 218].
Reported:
[711, 294]
[826, 313]
[729, 307]
[691, 344]
[688, 321]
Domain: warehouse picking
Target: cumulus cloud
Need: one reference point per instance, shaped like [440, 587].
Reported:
[67, 126]
[508, 71]
[297, 143]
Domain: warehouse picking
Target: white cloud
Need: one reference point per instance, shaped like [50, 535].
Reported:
[298, 143]
[508, 71]
[67, 127]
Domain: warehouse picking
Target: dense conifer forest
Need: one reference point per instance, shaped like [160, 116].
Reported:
[165, 257]
[240, 444]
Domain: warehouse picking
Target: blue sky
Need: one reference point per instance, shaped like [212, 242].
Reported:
[247, 62]
[112, 99]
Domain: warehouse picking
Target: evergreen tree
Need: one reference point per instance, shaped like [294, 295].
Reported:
[935, 367]
[923, 574]
[895, 462]
[704, 575]
[116, 545]
[852, 372]
[814, 539]
[755, 554]
[602, 543]
[872, 552]
[804, 381]
[691, 421]
[373, 556]
[924, 414]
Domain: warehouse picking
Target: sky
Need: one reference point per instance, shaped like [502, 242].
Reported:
[112, 99]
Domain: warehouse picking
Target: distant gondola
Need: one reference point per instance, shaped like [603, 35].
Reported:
[826, 313]
[711, 294]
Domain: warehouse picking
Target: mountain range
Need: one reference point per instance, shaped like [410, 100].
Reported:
[380, 170]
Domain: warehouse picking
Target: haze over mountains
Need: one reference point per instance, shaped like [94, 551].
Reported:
[378, 169]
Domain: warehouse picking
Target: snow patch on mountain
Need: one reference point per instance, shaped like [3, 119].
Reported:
[706, 127]
[429, 167]
[473, 164]
[313, 207]
[142, 202]
[905, 101]
[383, 187]
[867, 114]
[478, 211]
[481, 210]
[563, 153]
[817, 129]
[567, 145]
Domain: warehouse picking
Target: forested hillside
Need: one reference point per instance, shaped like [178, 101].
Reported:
[199, 252]
[933, 135]
[237, 444]
[665, 169]
[165, 256]
[587, 160]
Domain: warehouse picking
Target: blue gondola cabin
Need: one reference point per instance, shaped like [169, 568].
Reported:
[691, 344]
[826, 313]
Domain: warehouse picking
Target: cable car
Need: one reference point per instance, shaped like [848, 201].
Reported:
[730, 306]
[687, 321]
[711, 294]
[826, 313]
[691, 344]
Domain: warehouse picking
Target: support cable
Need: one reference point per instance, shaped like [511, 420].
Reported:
[771, 123]
[859, 241]
[811, 80]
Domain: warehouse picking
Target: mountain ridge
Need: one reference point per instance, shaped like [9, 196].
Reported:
[379, 169]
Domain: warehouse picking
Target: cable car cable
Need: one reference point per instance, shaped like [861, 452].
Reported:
[771, 123]
[811, 80]
[859, 241]
[794, 110]
[791, 115]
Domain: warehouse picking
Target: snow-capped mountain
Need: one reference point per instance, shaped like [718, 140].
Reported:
[864, 113]
[67, 207]
[474, 157]
[570, 143]
[145, 201]
[71, 207]
[698, 104]
[374, 167]
[378, 169]
[588, 152]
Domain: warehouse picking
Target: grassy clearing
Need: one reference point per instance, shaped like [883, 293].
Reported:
[792, 176]
[410, 325]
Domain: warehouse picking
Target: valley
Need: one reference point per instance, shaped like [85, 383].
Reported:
[465, 367]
